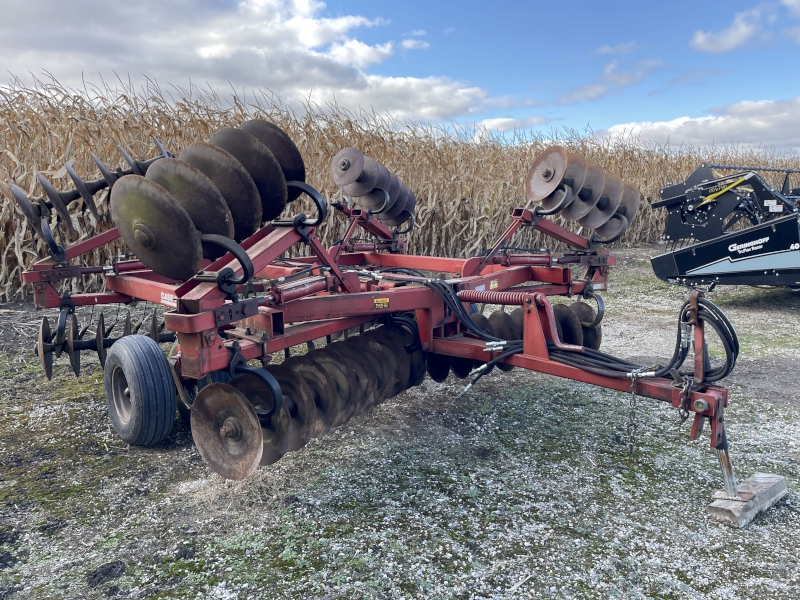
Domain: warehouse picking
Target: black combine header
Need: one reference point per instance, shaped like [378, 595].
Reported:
[731, 229]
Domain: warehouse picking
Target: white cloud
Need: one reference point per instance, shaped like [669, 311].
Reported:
[449, 30]
[793, 33]
[412, 44]
[355, 52]
[763, 123]
[415, 33]
[593, 91]
[793, 6]
[745, 25]
[625, 48]
[641, 69]
[510, 123]
[287, 46]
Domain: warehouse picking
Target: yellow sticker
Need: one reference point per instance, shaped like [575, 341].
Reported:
[493, 284]
[381, 302]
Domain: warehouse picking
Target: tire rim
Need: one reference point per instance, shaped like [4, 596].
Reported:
[121, 395]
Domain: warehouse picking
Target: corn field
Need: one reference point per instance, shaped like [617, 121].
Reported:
[466, 181]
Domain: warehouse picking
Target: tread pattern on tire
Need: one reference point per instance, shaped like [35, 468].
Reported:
[147, 372]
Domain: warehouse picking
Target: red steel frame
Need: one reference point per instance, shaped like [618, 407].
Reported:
[318, 305]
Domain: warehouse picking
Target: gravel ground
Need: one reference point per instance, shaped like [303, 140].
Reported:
[521, 489]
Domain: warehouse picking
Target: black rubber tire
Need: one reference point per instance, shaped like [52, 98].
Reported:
[144, 417]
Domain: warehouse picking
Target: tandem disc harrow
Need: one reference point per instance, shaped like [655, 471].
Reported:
[206, 240]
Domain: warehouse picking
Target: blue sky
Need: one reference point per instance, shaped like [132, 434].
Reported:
[697, 72]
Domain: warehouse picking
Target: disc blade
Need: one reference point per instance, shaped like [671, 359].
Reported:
[198, 196]
[28, 208]
[226, 431]
[592, 336]
[366, 181]
[83, 190]
[586, 198]
[233, 182]
[438, 366]
[575, 173]
[156, 228]
[346, 385]
[282, 148]
[397, 207]
[275, 430]
[58, 203]
[347, 166]
[612, 229]
[411, 203]
[262, 166]
[99, 339]
[323, 389]
[629, 204]
[364, 367]
[400, 359]
[545, 173]
[504, 328]
[518, 316]
[376, 198]
[44, 348]
[606, 205]
[569, 324]
[409, 341]
[300, 401]
[386, 374]
[73, 354]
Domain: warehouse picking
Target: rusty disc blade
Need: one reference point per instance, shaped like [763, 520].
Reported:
[282, 148]
[300, 400]
[347, 166]
[575, 173]
[570, 329]
[366, 180]
[460, 366]
[233, 182]
[275, 430]
[587, 196]
[558, 200]
[504, 328]
[262, 166]
[482, 322]
[606, 205]
[28, 208]
[126, 327]
[226, 431]
[198, 196]
[629, 204]
[323, 389]
[346, 385]
[58, 203]
[592, 336]
[73, 354]
[545, 173]
[44, 348]
[156, 228]
[99, 339]
[611, 229]
[438, 366]
[364, 369]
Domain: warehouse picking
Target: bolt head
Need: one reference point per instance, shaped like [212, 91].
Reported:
[344, 164]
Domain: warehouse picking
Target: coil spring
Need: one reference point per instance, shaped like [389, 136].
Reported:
[484, 297]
